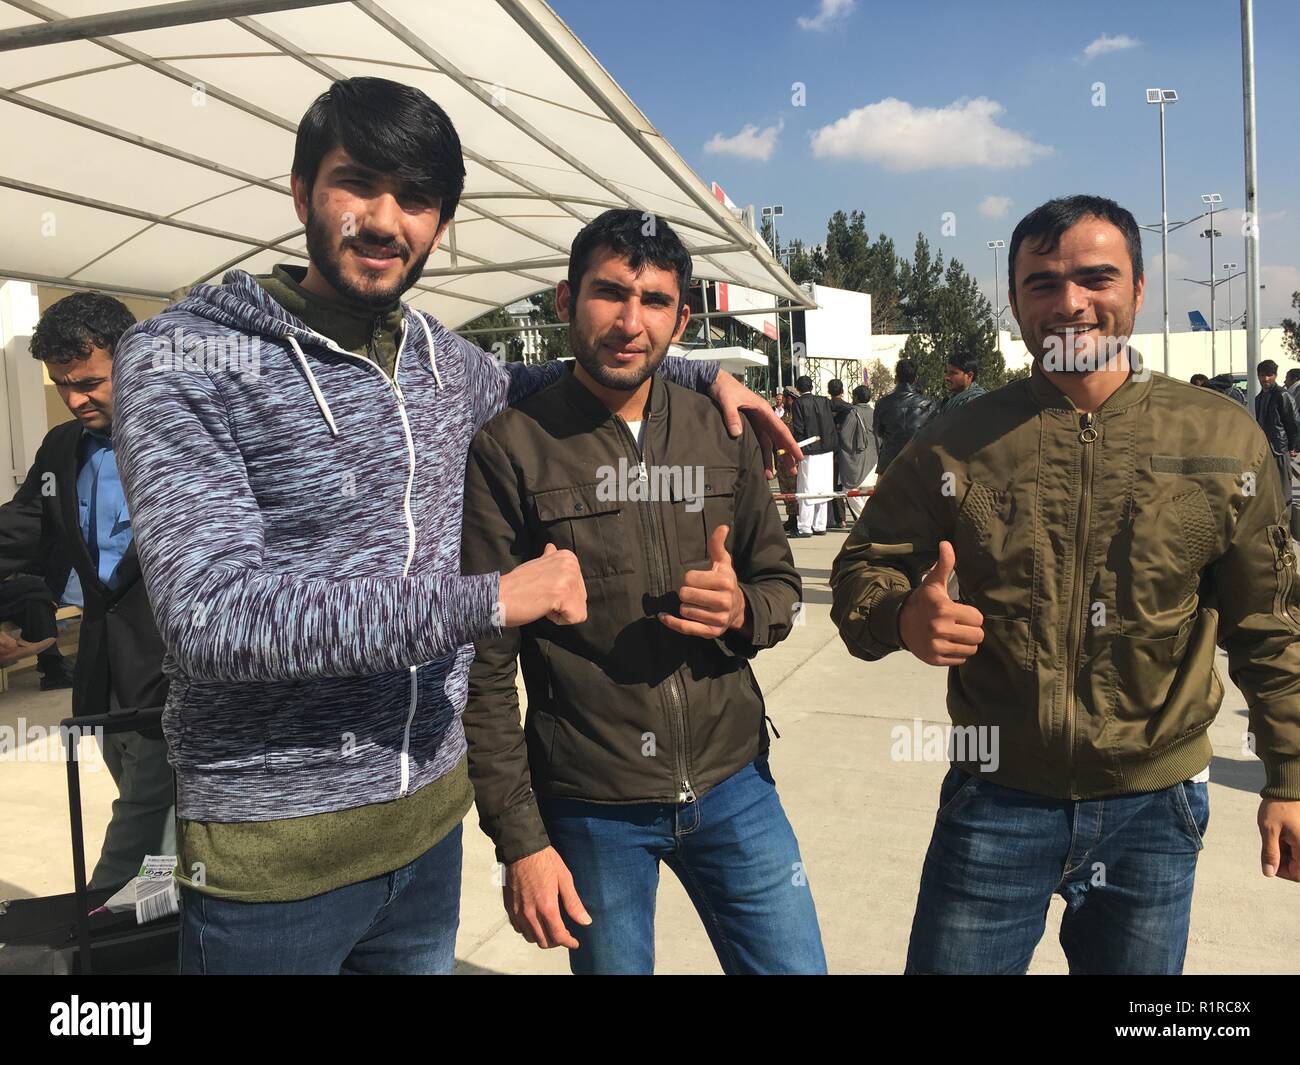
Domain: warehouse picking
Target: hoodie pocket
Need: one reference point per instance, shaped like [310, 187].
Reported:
[972, 543]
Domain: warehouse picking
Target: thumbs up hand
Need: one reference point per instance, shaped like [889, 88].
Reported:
[937, 630]
[712, 602]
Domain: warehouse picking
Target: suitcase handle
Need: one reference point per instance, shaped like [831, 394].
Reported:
[71, 729]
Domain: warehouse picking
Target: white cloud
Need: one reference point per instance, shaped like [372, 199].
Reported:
[750, 143]
[830, 11]
[1152, 263]
[1104, 45]
[902, 138]
[995, 206]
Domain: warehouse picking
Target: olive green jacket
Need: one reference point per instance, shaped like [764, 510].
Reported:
[1108, 553]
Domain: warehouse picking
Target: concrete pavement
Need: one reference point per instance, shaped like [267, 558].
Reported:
[863, 820]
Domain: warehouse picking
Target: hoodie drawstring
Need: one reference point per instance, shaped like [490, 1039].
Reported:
[433, 351]
[315, 388]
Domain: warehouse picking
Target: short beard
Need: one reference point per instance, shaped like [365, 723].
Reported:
[327, 261]
[608, 376]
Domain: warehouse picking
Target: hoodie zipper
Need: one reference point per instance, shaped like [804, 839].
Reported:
[405, 758]
[1074, 650]
[656, 556]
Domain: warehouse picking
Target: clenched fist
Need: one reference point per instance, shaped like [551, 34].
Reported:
[548, 587]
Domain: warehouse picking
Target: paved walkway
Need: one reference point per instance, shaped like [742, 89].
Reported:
[863, 820]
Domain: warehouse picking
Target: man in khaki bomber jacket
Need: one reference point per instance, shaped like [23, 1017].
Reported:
[1106, 526]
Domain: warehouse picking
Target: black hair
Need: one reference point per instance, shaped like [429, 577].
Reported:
[804, 384]
[835, 386]
[390, 128]
[965, 362]
[74, 326]
[637, 236]
[1199, 379]
[1044, 226]
[905, 372]
[1268, 366]
[861, 394]
[1292, 374]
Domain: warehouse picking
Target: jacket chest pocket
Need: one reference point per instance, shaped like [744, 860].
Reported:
[974, 531]
[1174, 537]
[593, 528]
[707, 499]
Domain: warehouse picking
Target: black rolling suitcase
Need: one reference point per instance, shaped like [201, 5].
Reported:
[55, 935]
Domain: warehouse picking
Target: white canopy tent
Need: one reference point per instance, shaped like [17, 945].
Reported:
[147, 147]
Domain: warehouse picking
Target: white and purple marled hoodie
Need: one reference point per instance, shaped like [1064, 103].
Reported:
[298, 517]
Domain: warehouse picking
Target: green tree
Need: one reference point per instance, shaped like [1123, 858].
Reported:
[1291, 329]
[555, 342]
[507, 346]
[947, 314]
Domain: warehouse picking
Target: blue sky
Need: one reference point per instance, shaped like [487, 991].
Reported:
[976, 86]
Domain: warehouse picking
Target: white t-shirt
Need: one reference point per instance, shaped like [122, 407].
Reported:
[635, 427]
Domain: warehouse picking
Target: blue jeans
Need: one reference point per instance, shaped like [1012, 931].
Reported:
[403, 922]
[733, 850]
[1124, 865]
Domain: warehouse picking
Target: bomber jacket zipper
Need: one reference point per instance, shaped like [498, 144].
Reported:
[655, 553]
[405, 757]
[1074, 649]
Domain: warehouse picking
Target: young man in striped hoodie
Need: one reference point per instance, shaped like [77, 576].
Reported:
[293, 449]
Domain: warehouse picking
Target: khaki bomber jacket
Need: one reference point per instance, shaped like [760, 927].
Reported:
[1108, 553]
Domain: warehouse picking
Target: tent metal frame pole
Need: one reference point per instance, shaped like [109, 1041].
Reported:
[542, 264]
[440, 62]
[84, 286]
[133, 20]
[72, 118]
[695, 189]
[97, 28]
[134, 212]
[115, 46]
[591, 201]
[561, 325]
[332, 74]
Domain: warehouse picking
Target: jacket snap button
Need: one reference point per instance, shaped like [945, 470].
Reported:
[577, 506]
[708, 488]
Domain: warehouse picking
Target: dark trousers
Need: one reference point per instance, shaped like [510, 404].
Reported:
[837, 505]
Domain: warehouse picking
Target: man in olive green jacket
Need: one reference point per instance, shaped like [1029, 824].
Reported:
[1105, 527]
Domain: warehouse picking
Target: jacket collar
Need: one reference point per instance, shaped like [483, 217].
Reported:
[1134, 389]
[593, 411]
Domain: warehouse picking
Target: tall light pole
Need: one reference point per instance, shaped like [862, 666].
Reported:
[1229, 267]
[1162, 97]
[772, 214]
[997, 298]
[1212, 199]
